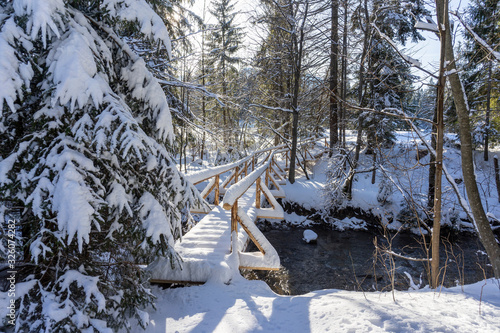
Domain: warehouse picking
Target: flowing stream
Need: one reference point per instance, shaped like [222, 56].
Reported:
[348, 260]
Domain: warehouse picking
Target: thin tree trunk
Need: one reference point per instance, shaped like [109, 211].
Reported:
[203, 106]
[334, 50]
[226, 136]
[361, 99]
[180, 148]
[487, 121]
[374, 172]
[497, 175]
[298, 45]
[350, 178]
[436, 230]
[432, 164]
[344, 75]
[481, 221]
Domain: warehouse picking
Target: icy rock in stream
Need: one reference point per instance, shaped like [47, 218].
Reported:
[310, 236]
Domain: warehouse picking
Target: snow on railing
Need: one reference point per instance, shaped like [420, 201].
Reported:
[237, 190]
[215, 172]
[202, 175]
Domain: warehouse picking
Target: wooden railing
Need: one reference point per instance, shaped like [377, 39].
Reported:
[241, 167]
[240, 217]
[213, 174]
[265, 173]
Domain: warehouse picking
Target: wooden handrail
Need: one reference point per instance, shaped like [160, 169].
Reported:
[237, 190]
[202, 175]
[269, 163]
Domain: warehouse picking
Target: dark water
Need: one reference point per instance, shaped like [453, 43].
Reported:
[348, 260]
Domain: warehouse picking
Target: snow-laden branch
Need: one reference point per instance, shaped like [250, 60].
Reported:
[191, 86]
[150, 23]
[387, 113]
[275, 131]
[432, 27]
[478, 39]
[413, 62]
[270, 107]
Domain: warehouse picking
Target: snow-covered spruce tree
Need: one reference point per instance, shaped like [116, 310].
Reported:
[84, 134]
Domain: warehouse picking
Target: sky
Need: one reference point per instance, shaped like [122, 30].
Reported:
[427, 51]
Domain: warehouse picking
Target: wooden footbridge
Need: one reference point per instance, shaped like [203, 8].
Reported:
[215, 247]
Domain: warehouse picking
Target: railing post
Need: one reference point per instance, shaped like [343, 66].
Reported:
[267, 177]
[246, 168]
[234, 218]
[253, 163]
[257, 194]
[286, 159]
[216, 200]
[236, 174]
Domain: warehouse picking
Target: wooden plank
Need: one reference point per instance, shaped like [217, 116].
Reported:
[270, 217]
[274, 182]
[211, 188]
[257, 193]
[234, 217]
[216, 200]
[194, 211]
[227, 181]
[260, 268]
[252, 237]
[268, 199]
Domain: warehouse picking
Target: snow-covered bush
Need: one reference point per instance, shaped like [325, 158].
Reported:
[84, 134]
[385, 190]
[411, 215]
[334, 191]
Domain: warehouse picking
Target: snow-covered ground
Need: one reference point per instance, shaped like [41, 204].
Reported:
[408, 182]
[250, 306]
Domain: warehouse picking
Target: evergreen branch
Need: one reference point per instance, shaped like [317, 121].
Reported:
[412, 62]
[478, 39]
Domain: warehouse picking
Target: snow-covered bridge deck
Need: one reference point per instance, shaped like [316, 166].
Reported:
[207, 249]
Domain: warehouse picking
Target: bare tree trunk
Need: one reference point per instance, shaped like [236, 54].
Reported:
[226, 131]
[334, 50]
[361, 99]
[481, 221]
[344, 75]
[181, 150]
[350, 178]
[432, 164]
[374, 172]
[203, 106]
[436, 229]
[298, 45]
[497, 175]
[488, 109]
